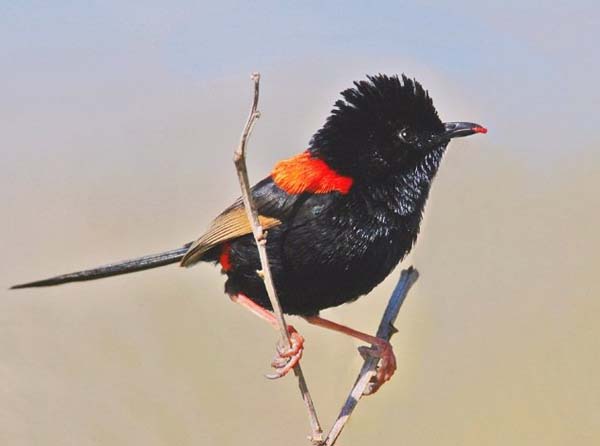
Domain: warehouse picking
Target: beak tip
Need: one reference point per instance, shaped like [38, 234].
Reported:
[460, 129]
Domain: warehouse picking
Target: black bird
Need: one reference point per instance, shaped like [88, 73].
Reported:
[340, 215]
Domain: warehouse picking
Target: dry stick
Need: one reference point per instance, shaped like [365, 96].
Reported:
[261, 242]
[386, 330]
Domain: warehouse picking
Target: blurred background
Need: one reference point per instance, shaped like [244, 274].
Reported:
[117, 124]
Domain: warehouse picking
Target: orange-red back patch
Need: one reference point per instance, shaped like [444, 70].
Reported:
[303, 173]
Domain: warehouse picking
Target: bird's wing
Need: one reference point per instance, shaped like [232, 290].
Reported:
[272, 204]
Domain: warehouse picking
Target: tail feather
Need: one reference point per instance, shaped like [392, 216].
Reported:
[113, 269]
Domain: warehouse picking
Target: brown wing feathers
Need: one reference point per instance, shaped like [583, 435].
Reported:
[231, 224]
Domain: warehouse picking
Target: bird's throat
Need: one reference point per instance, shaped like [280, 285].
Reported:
[412, 186]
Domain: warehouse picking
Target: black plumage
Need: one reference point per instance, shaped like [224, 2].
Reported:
[340, 216]
[333, 248]
[330, 247]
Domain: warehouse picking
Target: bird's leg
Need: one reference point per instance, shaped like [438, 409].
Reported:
[287, 357]
[383, 349]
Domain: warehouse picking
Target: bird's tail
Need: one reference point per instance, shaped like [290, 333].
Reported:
[113, 269]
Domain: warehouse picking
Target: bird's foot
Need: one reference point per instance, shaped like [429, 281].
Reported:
[387, 366]
[287, 356]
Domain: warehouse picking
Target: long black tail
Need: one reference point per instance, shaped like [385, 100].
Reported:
[113, 269]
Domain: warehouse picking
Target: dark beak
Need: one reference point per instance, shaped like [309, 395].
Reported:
[459, 129]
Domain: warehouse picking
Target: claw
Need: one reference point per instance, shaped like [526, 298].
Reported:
[367, 352]
[386, 367]
[279, 362]
[287, 357]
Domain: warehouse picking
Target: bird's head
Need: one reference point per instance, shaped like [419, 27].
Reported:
[384, 125]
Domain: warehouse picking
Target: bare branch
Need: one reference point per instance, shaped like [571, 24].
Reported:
[261, 242]
[363, 384]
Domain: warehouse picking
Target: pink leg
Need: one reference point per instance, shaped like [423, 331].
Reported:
[286, 358]
[386, 368]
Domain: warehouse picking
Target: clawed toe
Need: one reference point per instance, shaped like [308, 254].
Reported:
[367, 352]
[287, 356]
[386, 367]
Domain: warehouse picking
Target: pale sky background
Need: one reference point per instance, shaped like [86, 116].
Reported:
[117, 124]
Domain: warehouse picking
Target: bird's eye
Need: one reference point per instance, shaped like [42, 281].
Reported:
[405, 135]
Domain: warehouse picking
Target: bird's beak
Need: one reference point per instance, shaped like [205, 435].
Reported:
[459, 129]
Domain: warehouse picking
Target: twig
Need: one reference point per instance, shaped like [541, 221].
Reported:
[261, 242]
[386, 330]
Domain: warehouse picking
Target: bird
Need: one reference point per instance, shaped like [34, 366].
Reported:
[340, 215]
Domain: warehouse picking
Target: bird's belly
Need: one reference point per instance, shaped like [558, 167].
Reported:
[315, 269]
[327, 273]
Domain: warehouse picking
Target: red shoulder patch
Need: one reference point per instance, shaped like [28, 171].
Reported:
[303, 173]
[225, 257]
